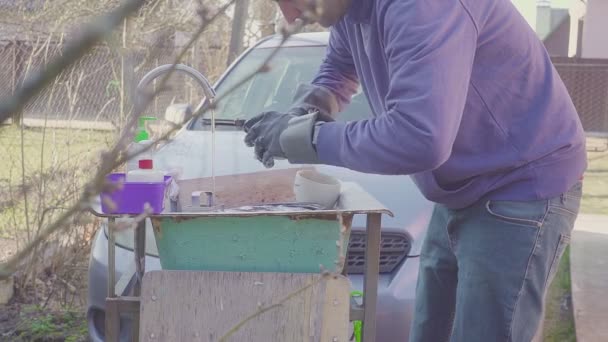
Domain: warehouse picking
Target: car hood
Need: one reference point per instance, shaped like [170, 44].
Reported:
[189, 155]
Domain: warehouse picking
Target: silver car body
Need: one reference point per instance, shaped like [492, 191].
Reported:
[190, 151]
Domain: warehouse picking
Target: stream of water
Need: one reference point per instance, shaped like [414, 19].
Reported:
[212, 152]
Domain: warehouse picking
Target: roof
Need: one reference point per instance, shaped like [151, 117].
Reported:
[558, 17]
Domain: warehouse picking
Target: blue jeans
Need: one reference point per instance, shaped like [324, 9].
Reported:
[485, 269]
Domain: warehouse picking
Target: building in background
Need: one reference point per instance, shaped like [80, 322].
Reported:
[595, 30]
[553, 28]
[575, 33]
[575, 28]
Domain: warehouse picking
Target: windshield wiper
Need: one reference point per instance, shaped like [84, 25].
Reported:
[225, 122]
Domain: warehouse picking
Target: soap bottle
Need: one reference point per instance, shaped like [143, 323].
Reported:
[141, 141]
[145, 173]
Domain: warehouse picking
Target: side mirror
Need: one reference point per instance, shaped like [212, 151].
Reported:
[177, 113]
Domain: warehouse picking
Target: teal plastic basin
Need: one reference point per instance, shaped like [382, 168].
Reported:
[304, 244]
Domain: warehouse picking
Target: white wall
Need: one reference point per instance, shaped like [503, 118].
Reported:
[576, 7]
[528, 9]
[595, 31]
[577, 11]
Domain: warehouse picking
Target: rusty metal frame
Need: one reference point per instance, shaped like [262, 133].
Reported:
[117, 304]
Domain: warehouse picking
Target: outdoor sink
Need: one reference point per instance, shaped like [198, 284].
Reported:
[282, 237]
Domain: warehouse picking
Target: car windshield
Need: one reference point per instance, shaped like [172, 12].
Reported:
[274, 90]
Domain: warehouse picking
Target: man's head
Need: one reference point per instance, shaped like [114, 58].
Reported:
[326, 12]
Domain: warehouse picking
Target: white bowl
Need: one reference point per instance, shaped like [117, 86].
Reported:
[311, 186]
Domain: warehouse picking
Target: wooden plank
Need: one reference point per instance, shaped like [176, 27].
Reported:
[115, 307]
[125, 304]
[205, 306]
[336, 313]
[112, 321]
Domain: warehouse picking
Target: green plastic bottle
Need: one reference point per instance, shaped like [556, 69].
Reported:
[141, 141]
[357, 325]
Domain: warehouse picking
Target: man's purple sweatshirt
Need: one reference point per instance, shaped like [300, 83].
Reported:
[465, 100]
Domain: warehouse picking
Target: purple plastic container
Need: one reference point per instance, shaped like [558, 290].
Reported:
[131, 198]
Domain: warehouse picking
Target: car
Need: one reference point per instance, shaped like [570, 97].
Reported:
[189, 149]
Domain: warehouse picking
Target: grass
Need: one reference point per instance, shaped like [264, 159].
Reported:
[559, 319]
[595, 184]
[55, 146]
[54, 162]
[37, 324]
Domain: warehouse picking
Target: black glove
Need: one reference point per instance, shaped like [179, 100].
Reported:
[289, 135]
[263, 133]
[285, 136]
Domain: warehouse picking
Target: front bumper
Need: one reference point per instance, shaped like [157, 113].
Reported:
[395, 309]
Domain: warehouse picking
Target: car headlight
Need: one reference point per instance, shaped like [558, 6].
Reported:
[124, 237]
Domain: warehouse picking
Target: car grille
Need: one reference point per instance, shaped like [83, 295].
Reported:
[394, 247]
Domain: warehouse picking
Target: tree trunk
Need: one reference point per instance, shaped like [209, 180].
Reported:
[241, 8]
[266, 13]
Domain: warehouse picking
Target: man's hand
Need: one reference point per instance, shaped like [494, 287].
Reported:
[285, 136]
[263, 133]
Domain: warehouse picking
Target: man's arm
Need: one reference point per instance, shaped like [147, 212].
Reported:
[430, 46]
[336, 80]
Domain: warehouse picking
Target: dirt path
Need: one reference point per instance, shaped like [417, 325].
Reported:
[53, 311]
[590, 277]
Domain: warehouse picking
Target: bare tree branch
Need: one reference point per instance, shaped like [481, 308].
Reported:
[91, 35]
[109, 160]
[116, 156]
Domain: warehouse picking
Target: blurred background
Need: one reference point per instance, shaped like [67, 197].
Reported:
[48, 151]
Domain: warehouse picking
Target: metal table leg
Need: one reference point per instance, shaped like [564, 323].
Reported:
[112, 323]
[140, 268]
[140, 255]
[370, 279]
[111, 257]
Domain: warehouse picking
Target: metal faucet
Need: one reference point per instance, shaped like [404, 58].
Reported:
[210, 95]
[160, 70]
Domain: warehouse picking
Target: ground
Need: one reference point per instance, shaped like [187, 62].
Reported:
[559, 319]
[54, 311]
[51, 307]
[23, 320]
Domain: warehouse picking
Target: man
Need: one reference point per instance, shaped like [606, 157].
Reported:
[467, 102]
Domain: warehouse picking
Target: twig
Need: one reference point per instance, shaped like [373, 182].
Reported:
[41, 186]
[109, 160]
[9, 266]
[116, 156]
[92, 34]
[210, 105]
[23, 180]
[140, 106]
[51, 293]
